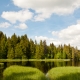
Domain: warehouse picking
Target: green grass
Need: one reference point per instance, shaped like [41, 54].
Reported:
[22, 73]
[12, 60]
[49, 60]
[64, 73]
[18, 60]
[28, 73]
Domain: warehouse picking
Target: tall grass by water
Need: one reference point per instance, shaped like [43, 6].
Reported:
[64, 73]
[22, 73]
[29, 73]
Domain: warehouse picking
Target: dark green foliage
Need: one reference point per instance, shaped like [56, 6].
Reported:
[20, 47]
[10, 54]
[18, 51]
[3, 47]
[51, 51]
[25, 46]
[32, 48]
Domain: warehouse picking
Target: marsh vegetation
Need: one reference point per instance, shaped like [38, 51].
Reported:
[64, 73]
[23, 73]
[30, 73]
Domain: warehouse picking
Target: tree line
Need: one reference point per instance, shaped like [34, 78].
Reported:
[21, 47]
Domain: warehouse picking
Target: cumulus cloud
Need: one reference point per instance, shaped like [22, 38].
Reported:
[45, 8]
[5, 25]
[48, 40]
[71, 35]
[40, 38]
[21, 26]
[21, 16]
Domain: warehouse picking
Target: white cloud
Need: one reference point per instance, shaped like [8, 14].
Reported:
[5, 25]
[48, 40]
[22, 26]
[20, 16]
[78, 21]
[71, 35]
[45, 8]
[40, 38]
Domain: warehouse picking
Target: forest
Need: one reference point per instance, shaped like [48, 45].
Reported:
[21, 47]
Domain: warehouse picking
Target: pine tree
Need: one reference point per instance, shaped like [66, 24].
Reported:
[52, 52]
[3, 47]
[11, 54]
[59, 52]
[42, 50]
[37, 53]
[14, 40]
[25, 46]
[64, 52]
[32, 48]
[73, 53]
[45, 49]
[18, 51]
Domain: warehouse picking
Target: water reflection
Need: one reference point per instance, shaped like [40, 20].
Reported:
[43, 66]
[1, 71]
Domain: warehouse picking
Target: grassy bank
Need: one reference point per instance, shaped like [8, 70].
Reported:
[18, 60]
[22, 73]
[64, 73]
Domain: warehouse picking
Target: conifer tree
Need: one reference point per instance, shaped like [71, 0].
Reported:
[18, 51]
[11, 54]
[32, 48]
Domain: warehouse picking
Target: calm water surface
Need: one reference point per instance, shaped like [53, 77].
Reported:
[43, 66]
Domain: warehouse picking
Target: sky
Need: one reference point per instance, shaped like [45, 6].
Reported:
[56, 21]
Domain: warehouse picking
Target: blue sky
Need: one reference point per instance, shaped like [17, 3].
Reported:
[56, 21]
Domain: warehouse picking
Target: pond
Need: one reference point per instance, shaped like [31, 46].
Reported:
[41, 65]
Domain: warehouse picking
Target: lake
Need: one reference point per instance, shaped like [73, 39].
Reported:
[44, 66]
